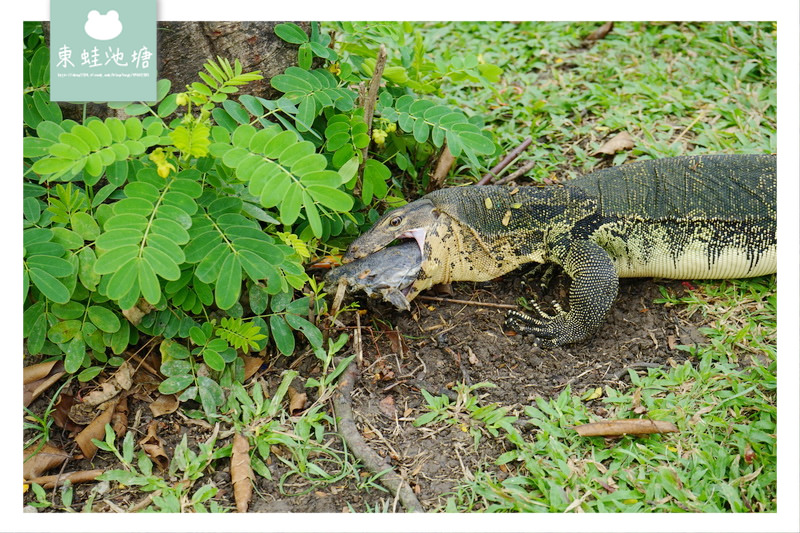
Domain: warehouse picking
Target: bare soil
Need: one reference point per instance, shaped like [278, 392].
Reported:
[435, 346]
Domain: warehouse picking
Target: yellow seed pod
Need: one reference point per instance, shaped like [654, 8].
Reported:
[379, 136]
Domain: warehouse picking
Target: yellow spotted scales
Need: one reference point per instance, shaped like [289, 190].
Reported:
[711, 216]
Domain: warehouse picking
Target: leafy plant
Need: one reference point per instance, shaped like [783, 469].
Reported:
[464, 410]
[206, 195]
[36, 104]
[326, 357]
[186, 466]
[262, 420]
[41, 424]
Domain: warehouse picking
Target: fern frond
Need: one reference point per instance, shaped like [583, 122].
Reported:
[240, 334]
[297, 244]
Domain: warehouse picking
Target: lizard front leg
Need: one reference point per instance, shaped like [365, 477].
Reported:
[594, 287]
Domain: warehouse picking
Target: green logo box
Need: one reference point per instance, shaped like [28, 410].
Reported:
[103, 50]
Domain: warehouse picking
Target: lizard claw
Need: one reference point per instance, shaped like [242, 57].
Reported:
[550, 330]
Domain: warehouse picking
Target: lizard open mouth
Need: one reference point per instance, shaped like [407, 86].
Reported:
[418, 234]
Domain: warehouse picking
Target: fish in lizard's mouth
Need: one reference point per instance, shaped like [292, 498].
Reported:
[418, 234]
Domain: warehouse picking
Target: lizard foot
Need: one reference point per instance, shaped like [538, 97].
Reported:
[550, 330]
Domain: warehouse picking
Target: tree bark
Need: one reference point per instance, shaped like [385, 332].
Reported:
[183, 48]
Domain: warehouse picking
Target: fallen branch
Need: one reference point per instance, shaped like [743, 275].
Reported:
[466, 302]
[512, 155]
[374, 462]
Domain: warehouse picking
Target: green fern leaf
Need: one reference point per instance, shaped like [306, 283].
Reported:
[192, 142]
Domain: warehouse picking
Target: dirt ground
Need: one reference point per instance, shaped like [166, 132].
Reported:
[442, 344]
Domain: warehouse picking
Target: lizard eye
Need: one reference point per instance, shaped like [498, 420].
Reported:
[395, 221]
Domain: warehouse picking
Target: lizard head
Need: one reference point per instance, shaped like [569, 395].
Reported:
[412, 221]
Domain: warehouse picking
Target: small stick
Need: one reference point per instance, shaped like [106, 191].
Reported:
[690, 126]
[147, 500]
[512, 155]
[357, 345]
[369, 104]
[374, 85]
[517, 173]
[466, 302]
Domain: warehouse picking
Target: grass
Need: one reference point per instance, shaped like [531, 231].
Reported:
[722, 459]
[677, 88]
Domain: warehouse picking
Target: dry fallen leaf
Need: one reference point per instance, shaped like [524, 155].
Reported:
[241, 472]
[749, 454]
[38, 378]
[120, 380]
[36, 372]
[699, 414]
[82, 476]
[600, 32]
[614, 428]
[671, 342]
[472, 358]
[251, 365]
[36, 463]
[135, 314]
[396, 340]
[61, 413]
[387, 407]
[119, 419]
[297, 401]
[164, 405]
[153, 446]
[95, 430]
[619, 142]
[638, 408]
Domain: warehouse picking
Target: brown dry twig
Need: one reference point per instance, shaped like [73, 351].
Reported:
[443, 165]
[374, 462]
[466, 302]
[524, 169]
[368, 103]
[512, 155]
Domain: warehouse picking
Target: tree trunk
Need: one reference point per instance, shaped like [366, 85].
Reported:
[183, 48]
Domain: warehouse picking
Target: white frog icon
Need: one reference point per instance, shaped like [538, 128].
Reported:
[102, 27]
